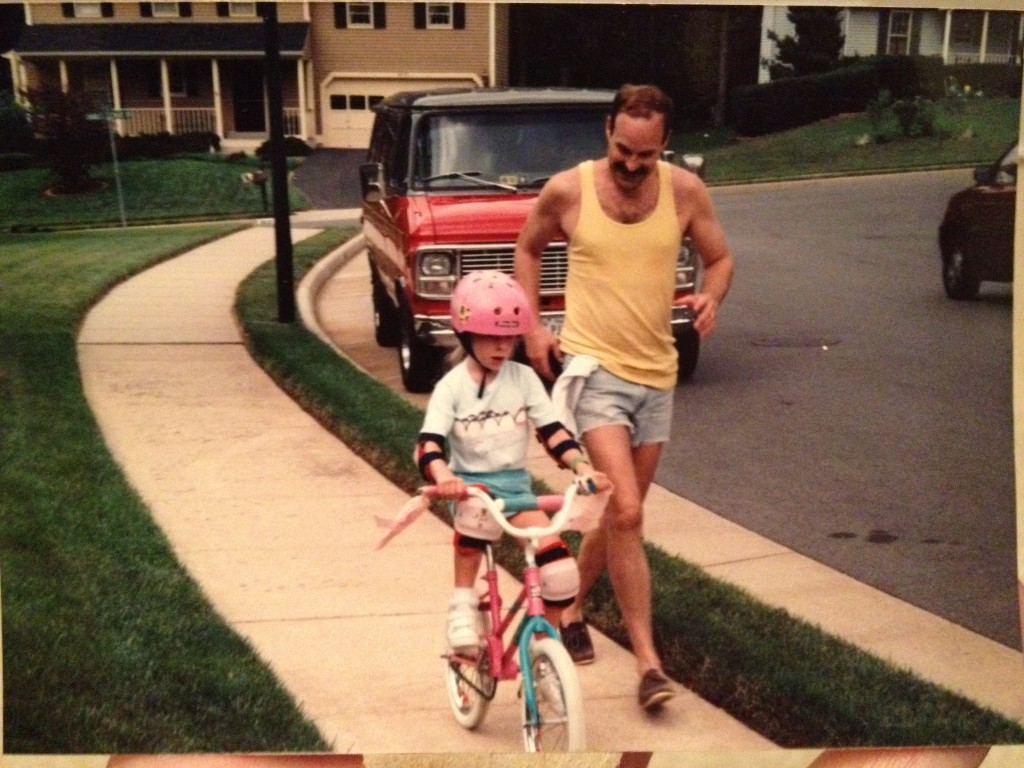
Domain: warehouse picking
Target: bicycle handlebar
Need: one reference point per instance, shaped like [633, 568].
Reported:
[496, 508]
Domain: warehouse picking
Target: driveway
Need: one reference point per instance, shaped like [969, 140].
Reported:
[330, 178]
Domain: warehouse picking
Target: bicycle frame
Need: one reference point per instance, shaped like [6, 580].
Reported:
[508, 662]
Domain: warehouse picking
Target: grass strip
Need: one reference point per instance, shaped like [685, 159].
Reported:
[795, 684]
[109, 646]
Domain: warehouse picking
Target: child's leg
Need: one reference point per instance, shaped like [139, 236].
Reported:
[463, 626]
[559, 574]
[467, 566]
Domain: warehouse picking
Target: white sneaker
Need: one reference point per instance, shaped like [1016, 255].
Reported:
[463, 629]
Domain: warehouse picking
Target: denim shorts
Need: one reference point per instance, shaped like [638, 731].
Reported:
[607, 399]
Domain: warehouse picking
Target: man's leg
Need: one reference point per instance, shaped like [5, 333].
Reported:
[631, 471]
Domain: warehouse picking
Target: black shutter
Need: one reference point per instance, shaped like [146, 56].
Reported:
[419, 15]
[379, 16]
[106, 10]
[915, 33]
[185, 10]
[341, 15]
[459, 15]
[146, 10]
[883, 33]
[67, 10]
[222, 9]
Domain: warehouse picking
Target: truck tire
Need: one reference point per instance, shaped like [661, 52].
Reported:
[386, 330]
[688, 347]
[419, 363]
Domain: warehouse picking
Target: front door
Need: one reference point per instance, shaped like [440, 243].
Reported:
[247, 98]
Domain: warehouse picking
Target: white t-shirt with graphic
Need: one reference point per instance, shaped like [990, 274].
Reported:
[490, 433]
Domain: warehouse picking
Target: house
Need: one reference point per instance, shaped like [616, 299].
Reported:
[180, 67]
[958, 36]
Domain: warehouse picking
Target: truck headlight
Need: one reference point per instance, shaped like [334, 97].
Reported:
[436, 273]
[685, 266]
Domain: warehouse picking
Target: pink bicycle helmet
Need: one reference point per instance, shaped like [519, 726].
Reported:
[490, 303]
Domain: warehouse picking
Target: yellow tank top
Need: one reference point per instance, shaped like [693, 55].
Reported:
[620, 287]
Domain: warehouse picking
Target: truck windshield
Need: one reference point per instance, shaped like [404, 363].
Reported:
[502, 149]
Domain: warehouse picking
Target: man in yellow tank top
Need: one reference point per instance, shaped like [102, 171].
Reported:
[624, 217]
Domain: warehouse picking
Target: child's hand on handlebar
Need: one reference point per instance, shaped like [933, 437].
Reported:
[593, 482]
[450, 488]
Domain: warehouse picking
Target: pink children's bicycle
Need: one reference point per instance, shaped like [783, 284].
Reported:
[552, 701]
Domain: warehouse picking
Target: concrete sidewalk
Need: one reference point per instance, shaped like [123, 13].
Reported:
[274, 518]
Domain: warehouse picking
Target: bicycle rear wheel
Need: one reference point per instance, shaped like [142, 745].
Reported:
[470, 689]
[558, 724]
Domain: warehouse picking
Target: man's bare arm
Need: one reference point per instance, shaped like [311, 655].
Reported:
[708, 239]
[542, 226]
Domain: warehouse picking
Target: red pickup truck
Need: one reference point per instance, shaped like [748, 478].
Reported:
[448, 181]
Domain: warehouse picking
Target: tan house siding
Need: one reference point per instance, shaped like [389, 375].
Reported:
[502, 15]
[130, 12]
[399, 47]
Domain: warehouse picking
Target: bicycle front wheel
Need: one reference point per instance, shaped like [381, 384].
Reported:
[470, 689]
[558, 723]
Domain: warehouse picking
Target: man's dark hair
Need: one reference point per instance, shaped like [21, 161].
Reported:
[643, 101]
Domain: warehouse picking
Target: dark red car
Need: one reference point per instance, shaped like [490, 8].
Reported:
[976, 234]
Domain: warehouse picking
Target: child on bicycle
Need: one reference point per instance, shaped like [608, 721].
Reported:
[482, 411]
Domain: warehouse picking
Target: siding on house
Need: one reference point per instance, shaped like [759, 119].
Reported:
[861, 29]
[398, 48]
[131, 12]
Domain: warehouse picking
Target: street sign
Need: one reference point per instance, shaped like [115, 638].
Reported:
[109, 114]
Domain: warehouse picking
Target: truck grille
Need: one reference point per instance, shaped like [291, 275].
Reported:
[554, 264]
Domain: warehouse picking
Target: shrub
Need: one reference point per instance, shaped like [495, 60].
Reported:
[70, 143]
[15, 129]
[158, 145]
[293, 147]
[16, 161]
[796, 101]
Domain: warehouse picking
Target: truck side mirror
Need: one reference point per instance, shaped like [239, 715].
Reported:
[694, 164]
[371, 182]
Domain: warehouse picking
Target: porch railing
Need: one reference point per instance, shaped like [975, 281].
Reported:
[152, 120]
[973, 57]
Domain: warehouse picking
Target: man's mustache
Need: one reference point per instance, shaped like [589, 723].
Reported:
[638, 173]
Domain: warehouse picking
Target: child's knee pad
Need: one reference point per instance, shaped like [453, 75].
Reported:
[559, 575]
[472, 519]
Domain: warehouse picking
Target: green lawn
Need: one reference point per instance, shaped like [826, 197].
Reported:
[153, 191]
[108, 645]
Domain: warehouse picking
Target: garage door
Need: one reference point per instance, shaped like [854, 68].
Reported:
[348, 104]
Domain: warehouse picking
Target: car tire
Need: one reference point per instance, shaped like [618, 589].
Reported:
[419, 363]
[386, 329]
[958, 275]
[688, 347]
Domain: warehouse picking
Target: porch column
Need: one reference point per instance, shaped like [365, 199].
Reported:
[115, 92]
[12, 62]
[218, 109]
[984, 38]
[300, 68]
[64, 83]
[946, 32]
[165, 90]
[23, 79]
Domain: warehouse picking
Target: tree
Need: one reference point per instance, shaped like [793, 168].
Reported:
[817, 43]
[71, 143]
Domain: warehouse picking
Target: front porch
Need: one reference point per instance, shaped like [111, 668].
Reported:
[157, 78]
[151, 120]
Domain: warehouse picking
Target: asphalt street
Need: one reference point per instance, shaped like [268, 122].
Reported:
[850, 411]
